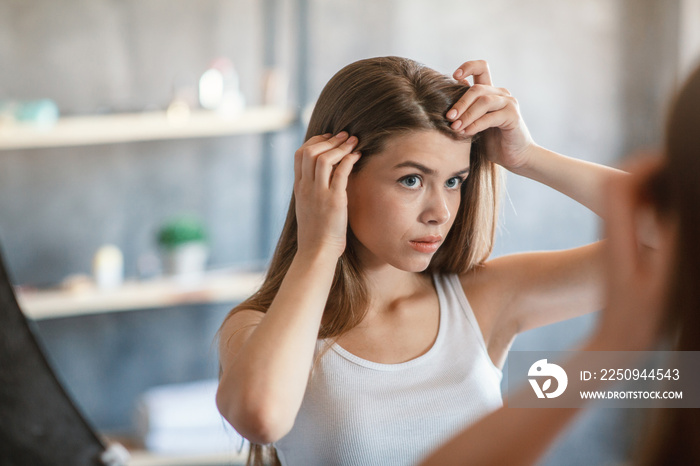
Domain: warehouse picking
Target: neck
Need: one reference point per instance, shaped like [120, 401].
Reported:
[388, 285]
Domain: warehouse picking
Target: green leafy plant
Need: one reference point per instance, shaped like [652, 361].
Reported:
[181, 230]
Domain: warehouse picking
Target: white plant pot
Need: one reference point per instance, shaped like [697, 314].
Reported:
[186, 262]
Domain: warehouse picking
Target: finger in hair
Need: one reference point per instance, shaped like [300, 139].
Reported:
[326, 161]
[473, 93]
[479, 69]
[481, 106]
[342, 172]
[489, 120]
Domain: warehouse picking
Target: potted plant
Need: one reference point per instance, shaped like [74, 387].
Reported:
[183, 241]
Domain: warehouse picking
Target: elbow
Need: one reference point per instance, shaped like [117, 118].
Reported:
[258, 420]
[264, 426]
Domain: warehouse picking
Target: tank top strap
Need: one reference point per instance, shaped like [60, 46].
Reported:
[451, 288]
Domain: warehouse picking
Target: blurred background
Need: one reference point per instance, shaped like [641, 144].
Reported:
[592, 79]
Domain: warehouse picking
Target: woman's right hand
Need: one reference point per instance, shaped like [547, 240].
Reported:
[322, 166]
[266, 358]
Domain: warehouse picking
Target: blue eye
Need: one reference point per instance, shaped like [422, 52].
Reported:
[454, 182]
[410, 181]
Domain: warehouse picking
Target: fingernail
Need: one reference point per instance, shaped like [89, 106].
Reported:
[327, 135]
[351, 141]
[451, 114]
[342, 135]
[458, 73]
[457, 124]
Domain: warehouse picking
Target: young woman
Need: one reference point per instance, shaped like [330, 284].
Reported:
[653, 271]
[380, 329]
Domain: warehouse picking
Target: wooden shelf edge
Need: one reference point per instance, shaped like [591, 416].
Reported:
[120, 128]
[159, 293]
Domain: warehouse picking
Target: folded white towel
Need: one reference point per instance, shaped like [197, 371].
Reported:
[183, 418]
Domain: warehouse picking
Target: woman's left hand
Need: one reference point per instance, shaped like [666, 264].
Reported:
[492, 110]
[639, 258]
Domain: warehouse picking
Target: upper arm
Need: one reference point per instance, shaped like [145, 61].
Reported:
[519, 292]
[542, 288]
[235, 332]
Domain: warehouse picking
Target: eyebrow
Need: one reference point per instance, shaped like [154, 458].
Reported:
[427, 170]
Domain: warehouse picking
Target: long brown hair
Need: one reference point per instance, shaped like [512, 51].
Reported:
[376, 99]
[673, 437]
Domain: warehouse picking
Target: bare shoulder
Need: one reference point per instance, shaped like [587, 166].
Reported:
[492, 286]
[486, 286]
[517, 292]
[504, 278]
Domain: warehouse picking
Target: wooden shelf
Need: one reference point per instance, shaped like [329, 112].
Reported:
[215, 287]
[105, 129]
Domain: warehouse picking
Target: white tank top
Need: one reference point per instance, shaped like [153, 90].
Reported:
[361, 413]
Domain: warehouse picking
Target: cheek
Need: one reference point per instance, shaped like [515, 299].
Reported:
[373, 211]
[360, 208]
[367, 214]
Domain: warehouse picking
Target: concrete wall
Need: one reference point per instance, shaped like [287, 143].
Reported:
[583, 82]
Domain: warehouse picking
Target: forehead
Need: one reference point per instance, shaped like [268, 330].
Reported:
[431, 148]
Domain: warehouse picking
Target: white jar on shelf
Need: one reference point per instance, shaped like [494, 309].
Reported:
[108, 267]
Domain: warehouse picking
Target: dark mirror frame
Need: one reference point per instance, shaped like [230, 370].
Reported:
[39, 423]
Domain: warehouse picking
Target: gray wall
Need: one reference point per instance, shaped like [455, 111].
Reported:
[57, 206]
[582, 79]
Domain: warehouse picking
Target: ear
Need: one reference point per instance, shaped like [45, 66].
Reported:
[648, 227]
[655, 235]
[653, 230]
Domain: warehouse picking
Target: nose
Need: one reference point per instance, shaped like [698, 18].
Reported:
[436, 210]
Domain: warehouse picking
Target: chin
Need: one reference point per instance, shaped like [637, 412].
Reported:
[414, 265]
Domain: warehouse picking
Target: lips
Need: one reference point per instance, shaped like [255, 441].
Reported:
[426, 244]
